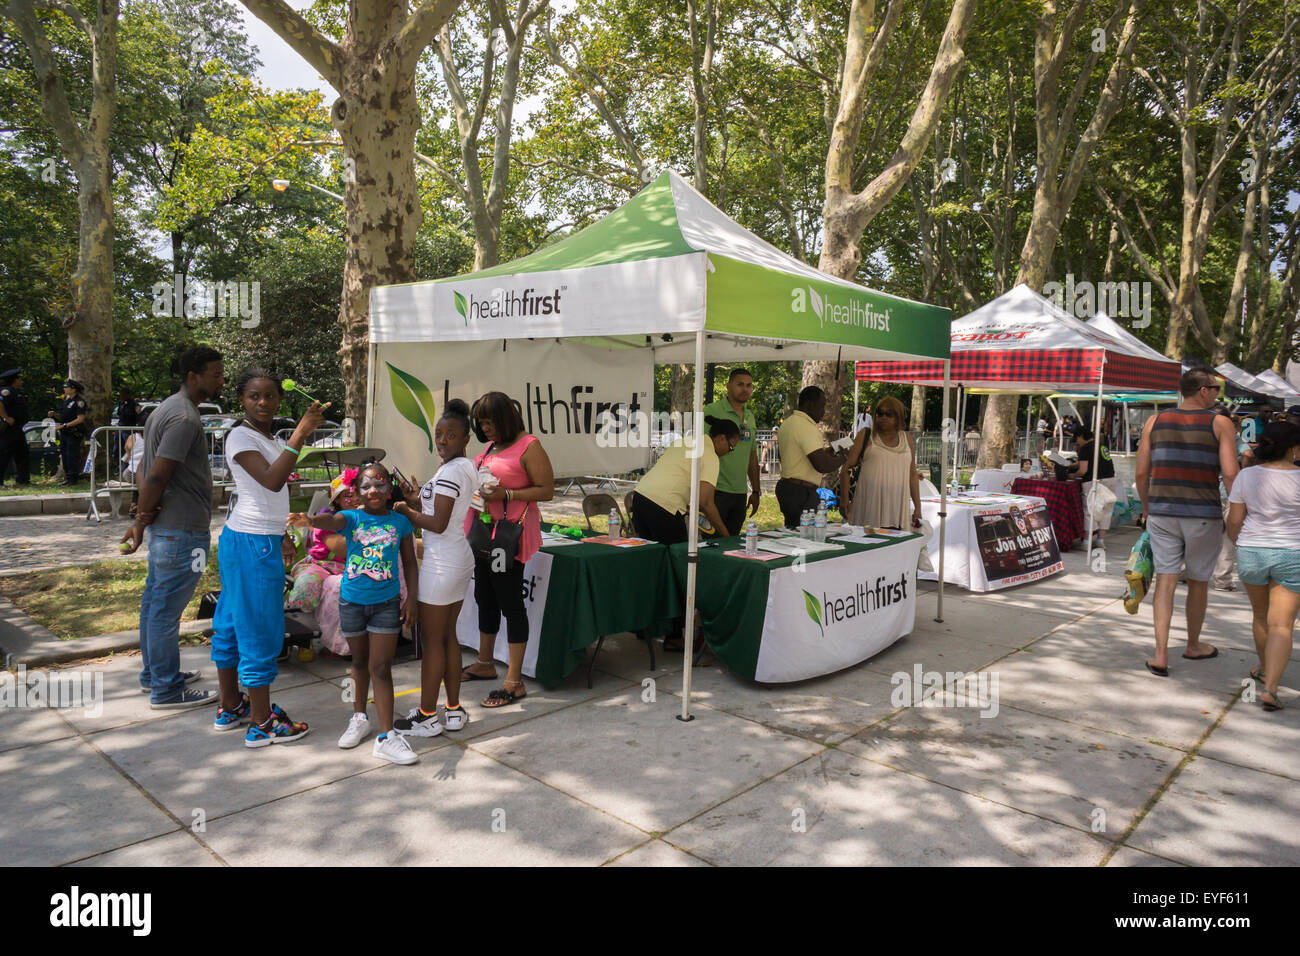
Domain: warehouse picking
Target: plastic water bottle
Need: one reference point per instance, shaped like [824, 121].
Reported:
[805, 525]
[615, 525]
[751, 538]
[819, 533]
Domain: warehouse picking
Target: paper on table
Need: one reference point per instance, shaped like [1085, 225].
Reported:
[753, 557]
[797, 545]
[620, 543]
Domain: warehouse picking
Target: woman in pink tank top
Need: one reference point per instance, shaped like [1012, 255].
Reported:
[524, 477]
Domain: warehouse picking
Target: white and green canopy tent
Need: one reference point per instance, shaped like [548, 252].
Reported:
[666, 277]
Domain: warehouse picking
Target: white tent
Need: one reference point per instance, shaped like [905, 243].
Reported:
[667, 277]
[1280, 386]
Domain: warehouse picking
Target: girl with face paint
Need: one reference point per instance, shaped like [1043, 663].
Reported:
[371, 610]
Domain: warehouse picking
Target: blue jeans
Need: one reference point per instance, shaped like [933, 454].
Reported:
[248, 626]
[169, 587]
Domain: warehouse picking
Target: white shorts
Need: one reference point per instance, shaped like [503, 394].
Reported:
[443, 584]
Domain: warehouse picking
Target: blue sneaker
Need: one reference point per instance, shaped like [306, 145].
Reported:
[278, 730]
[188, 676]
[231, 719]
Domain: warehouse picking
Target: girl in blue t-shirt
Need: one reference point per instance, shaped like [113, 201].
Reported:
[371, 611]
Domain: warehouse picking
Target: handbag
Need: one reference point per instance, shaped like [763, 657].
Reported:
[487, 536]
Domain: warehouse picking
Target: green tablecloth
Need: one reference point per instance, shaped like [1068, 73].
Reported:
[732, 597]
[598, 589]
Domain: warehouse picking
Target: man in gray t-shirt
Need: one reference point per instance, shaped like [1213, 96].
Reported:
[175, 432]
[175, 507]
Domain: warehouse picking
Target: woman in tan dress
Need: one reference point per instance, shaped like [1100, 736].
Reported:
[888, 494]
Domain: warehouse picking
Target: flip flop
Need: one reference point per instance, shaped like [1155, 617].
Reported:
[501, 697]
[1203, 657]
[466, 675]
[1257, 673]
[1158, 671]
[1276, 705]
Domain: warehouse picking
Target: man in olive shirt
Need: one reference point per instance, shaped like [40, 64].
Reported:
[804, 456]
[741, 464]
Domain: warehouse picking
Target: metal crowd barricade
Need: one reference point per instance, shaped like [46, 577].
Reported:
[120, 485]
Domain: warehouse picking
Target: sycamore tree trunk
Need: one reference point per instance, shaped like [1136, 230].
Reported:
[376, 115]
[84, 141]
[1059, 173]
[848, 213]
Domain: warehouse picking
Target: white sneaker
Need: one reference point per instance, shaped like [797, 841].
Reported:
[358, 730]
[416, 724]
[455, 718]
[394, 748]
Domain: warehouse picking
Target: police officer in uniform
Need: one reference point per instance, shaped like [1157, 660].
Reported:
[13, 416]
[72, 430]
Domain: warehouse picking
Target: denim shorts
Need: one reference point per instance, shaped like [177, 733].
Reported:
[1260, 565]
[355, 620]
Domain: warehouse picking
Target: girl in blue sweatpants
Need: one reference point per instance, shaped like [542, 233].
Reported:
[248, 625]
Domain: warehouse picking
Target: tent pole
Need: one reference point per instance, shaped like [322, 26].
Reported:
[1096, 453]
[693, 529]
[943, 488]
[364, 439]
[1029, 412]
[855, 397]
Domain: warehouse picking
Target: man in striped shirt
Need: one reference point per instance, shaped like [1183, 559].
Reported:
[1182, 455]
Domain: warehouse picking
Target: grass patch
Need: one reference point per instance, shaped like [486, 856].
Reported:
[96, 599]
[43, 486]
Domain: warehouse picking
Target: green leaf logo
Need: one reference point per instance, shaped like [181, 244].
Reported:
[461, 306]
[814, 611]
[817, 304]
[412, 400]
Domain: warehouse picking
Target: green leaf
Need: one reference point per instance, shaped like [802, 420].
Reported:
[817, 305]
[814, 611]
[461, 306]
[412, 400]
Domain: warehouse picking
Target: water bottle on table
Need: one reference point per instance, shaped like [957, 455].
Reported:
[819, 525]
[751, 538]
[615, 525]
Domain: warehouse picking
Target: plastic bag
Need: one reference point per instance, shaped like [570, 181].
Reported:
[1138, 572]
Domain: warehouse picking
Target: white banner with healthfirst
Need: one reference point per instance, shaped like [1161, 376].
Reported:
[583, 403]
[831, 614]
[537, 581]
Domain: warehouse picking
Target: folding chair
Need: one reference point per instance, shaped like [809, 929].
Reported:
[600, 504]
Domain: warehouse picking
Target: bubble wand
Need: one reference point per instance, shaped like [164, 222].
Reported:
[293, 386]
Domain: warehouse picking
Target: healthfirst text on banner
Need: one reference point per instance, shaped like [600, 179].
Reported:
[831, 614]
[1017, 544]
[568, 394]
[537, 584]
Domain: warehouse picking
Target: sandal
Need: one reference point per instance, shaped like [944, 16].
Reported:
[1257, 673]
[465, 673]
[501, 697]
[1275, 705]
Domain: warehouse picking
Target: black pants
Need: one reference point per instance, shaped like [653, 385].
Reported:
[651, 521]
[16, 452]
[794, 500]
[731, 506]
[73, 459]
[501, 592]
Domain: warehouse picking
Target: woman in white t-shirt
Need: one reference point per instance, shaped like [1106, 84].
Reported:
[248, 624]
[445, 571]
[1264, 521]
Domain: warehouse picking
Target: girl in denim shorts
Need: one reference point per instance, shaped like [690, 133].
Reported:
[371, 611]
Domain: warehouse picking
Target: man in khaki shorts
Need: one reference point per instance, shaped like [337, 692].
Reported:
[1182, 455]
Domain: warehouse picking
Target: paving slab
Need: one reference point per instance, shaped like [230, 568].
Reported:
[1038, 764]
[411, 816]
[823, 709]
[1217, 814]
[856, 813]
[636, 761]
[1251, 736]
[656, 853]
[187, 765]
[989, 621]
[934, 651]
[1128, 702]
[61, 801]
[1127, 856]
[626, 657]
[27, 726]
[174, 849]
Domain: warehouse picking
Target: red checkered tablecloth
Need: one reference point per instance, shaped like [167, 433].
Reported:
[1064, 504]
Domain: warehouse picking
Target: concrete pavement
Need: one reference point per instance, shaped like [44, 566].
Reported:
[1088, 760]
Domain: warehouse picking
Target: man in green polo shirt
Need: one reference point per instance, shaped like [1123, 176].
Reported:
[742, 464]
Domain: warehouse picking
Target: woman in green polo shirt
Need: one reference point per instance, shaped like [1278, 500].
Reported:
[662, 498]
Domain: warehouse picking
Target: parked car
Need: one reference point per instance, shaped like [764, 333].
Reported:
[44, 455]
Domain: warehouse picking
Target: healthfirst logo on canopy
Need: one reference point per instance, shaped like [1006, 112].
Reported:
[850, 310]
[505, 304]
